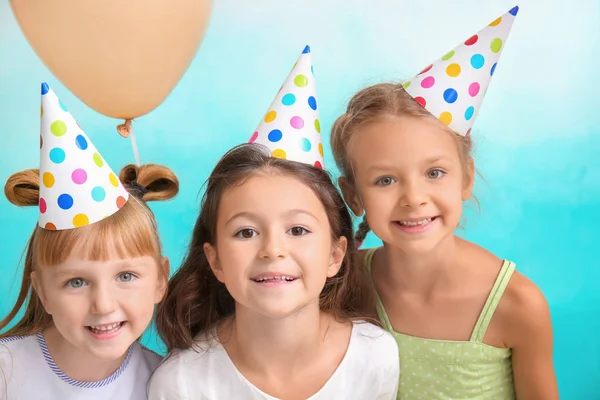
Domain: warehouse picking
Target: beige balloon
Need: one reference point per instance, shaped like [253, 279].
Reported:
[120, 57]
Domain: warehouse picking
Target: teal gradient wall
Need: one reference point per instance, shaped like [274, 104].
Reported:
[537, 134]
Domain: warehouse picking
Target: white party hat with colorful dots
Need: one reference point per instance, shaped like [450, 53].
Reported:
[453, 87]
[291, 128]
[77, 187]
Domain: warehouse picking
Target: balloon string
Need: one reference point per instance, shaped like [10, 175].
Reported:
[136, 154]
[126, 130]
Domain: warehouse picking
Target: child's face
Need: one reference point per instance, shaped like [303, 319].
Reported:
[409, 180]
[274, 248]
[101, 307]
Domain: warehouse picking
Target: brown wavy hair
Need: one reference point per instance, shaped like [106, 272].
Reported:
[131, 232]
[369, 105]
[197, 300]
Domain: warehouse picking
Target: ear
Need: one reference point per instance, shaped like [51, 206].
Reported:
[469, 179]
[211, 255]
[338, 252]
[163, 279]
[351, 196]
[37, 286]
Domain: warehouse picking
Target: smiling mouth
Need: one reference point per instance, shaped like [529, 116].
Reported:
[106, 328]
[274, 279]
[414, 222]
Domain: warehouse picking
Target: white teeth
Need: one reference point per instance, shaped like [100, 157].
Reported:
[104, 328]
[275, 278]
[415, 223]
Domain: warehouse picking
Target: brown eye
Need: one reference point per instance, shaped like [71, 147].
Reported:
[298, 231]
[246, 233]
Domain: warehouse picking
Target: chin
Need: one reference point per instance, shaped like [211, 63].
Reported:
[421, 245]
[114, 351]
[279, 312]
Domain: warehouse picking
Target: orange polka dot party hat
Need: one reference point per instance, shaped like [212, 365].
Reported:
[452, 88]
[77, 186]
[291, 128]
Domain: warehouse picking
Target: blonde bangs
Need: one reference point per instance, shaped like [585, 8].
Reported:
[130, 232]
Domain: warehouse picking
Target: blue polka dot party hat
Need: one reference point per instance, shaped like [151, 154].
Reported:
[77, 186]
[453, 87]
[291, 128]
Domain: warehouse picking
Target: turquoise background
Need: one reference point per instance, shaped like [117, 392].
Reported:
[537, 135]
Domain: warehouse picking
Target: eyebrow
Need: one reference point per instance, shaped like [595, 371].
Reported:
[385, 167]
[121, 265]
[379, 168]
[435, 159]
[250, 215]
[67, 272]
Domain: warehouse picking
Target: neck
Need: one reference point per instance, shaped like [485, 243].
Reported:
[78, 364]
[424, 272]
[291, 342]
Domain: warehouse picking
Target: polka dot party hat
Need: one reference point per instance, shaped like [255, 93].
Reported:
[452, 88]
[77, 187]
[291, 128]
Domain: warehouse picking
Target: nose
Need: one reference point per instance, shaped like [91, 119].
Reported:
[103, 300]
[272, 246]
[414, 193]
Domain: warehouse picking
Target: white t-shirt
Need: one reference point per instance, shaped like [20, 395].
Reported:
[28, 372]
[370, 370]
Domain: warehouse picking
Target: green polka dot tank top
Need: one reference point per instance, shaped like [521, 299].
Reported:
[458, 370]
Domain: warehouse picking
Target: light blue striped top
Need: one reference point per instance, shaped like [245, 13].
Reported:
[31, 373]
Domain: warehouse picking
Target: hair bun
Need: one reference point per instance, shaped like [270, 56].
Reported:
[23, 188]
[150, 182]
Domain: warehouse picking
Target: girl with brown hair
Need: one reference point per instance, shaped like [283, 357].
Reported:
[267, 302]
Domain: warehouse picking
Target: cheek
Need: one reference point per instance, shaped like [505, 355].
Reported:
[379, 203]
[315, 257]
[451, 195]
[233, 262]
[138, 304]
[67, 307]
[140, 311]
[140, 295]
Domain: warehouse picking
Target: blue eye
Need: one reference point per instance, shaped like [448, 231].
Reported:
[126, 277]
[76, 283]
[385, 181]
[245, 233]
[435, 173]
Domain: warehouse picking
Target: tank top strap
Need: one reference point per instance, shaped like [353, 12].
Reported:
[380, 310]
[492, 301]
[368, 259]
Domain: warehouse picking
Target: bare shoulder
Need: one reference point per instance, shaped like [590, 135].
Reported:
[481, 261]
[523, 299]
[475, 252]
[523, 310]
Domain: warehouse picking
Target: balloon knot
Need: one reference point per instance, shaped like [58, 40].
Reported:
[124, 129]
